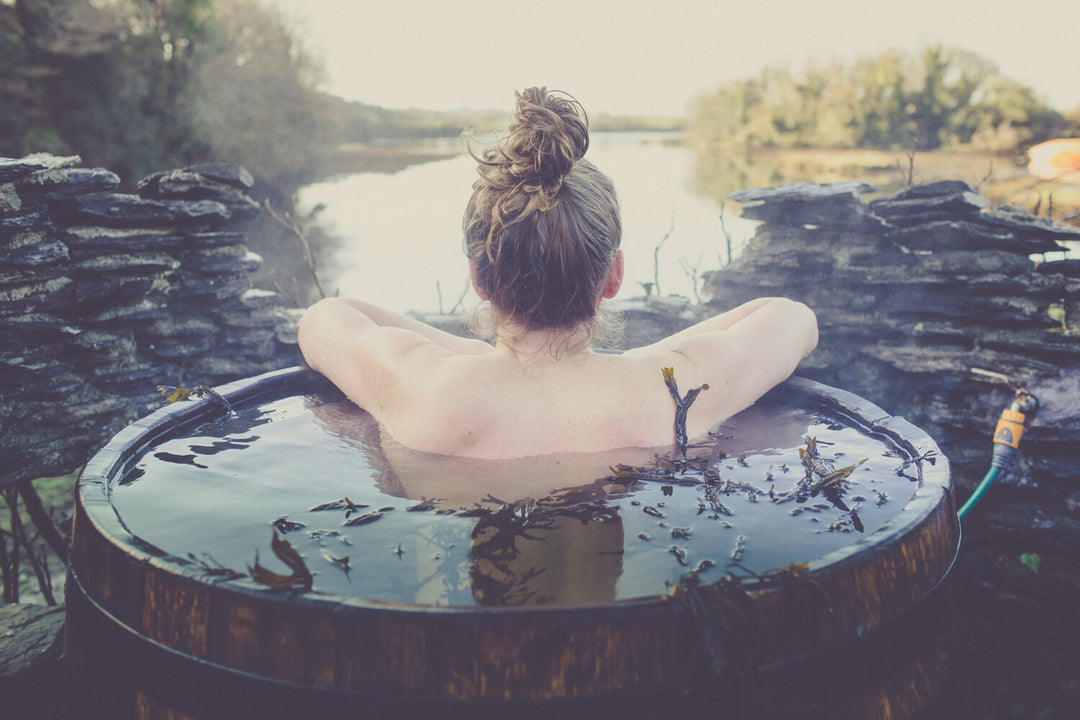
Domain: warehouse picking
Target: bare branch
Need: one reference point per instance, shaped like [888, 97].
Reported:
[460, 304]
[909, 174]
[295, 293]
[289, 223]
[986, 178]
[656, 254]
[727, 236]
[692, 272]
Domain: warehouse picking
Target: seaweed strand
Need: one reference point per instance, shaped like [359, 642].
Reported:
[682, 405]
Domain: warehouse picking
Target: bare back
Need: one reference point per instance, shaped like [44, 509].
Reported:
[439, 393]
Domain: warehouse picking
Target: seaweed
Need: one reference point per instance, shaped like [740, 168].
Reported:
[363, 519]
[299, 579]
[173, 394]
[342, 504]
[287, 526]
[682, 405]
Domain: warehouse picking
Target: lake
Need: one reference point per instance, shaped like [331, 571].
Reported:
[400, 239]
[393, 234]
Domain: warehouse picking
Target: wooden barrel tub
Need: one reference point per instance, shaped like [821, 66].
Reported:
[869, 631]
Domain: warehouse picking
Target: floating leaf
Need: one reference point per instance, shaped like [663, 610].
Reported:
[342, 504]
[287, 526]
[838, 475]
[1031, 561]
[740, 546]
[679, 554]
[287, 554]
[363, 519]
[423, 505]
[856, 521]
[269, 578]
[704, 565]
[300, 578]
[341, 562]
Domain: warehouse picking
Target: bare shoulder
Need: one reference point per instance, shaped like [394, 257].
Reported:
[740, 354]
[385, 362]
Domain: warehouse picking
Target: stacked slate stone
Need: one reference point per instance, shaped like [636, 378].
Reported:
[916, 290]
[919, 295]
[105, 295]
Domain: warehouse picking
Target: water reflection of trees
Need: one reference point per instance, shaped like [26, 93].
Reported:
[718, 173]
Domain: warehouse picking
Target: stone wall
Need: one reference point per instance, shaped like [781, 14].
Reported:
[914, 292]
[105, 295]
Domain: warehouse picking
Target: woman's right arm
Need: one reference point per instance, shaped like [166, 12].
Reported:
[388, 318]
[385, 362]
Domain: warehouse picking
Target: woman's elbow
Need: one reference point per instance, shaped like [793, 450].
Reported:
[807, 326]
[801, 323]
[313, 331]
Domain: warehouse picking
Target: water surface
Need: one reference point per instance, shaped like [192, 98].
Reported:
[376, 520]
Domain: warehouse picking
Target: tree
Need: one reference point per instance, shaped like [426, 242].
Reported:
[252, 97]
[144, 85]
[941, 97]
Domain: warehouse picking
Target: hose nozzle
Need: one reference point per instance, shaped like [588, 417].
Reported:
[1010, 427]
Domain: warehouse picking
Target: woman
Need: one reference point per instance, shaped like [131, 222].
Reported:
[542, 235]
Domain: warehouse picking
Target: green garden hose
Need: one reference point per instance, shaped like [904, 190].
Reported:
[1007, 436]
[980, 490]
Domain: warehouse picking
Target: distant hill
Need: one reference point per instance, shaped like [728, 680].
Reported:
[357, 122]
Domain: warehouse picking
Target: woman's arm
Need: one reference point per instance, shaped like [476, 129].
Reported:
[380, 359]
[741, 354]
[723, 321]
[388, 318]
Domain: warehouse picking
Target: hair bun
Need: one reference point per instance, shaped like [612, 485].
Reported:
[522, 175]
[549, 133]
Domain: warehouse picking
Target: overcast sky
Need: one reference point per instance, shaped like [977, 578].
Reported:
[653, 56]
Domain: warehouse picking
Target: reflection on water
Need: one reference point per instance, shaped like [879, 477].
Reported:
[319, 498]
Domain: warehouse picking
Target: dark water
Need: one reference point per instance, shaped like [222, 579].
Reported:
[414, 527]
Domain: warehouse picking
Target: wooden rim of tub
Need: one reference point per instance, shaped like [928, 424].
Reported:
[693, 645]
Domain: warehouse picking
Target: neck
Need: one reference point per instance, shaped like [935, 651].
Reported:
[542, 344]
